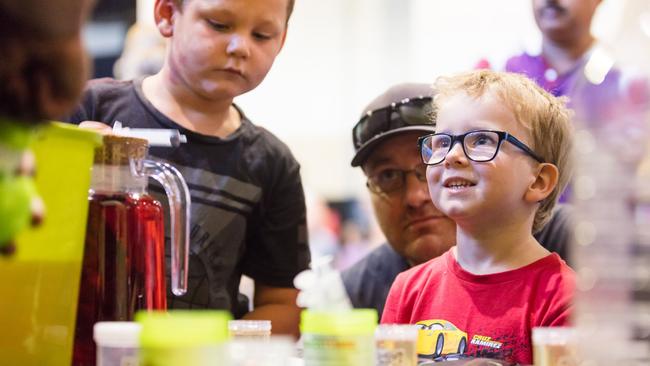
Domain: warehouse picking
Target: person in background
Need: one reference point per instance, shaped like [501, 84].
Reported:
[143, 53]
[355, 244]
[491, 170]
[609, 98]
[323, 226]
[566, 44]
[385, 140]
[42, 72]
[248, 206]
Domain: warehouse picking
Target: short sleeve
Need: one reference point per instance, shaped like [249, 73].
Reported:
[560, 290]
[86, 109]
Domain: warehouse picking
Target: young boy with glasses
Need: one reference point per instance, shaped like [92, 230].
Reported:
[248, 207]
[385, 139]
[495, 165]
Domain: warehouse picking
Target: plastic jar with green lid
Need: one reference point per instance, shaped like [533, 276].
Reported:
[183, 337]
[341, 338]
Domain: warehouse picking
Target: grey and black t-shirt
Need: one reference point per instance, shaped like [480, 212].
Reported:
[248, 207]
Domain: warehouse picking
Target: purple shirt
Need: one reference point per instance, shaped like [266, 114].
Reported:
[595, 104]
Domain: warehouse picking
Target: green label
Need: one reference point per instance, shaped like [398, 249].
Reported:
[322, 350]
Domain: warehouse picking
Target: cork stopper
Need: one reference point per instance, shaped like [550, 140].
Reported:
[117, 150]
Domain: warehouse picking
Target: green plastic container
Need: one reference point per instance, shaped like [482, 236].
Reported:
[183, 337]
[40, 282]
[338, 338]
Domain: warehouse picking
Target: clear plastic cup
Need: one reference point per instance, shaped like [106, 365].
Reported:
[252, 329]
[396, 344]
[117, 343]
[554, 346]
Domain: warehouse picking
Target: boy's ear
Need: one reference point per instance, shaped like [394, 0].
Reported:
[544, 183]
[164, 11]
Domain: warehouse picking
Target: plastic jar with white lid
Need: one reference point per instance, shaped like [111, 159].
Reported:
[118, 343]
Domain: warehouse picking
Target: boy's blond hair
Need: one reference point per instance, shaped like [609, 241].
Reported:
[545, 116]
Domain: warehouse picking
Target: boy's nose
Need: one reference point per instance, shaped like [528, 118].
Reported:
[238, 46]
[456, 154]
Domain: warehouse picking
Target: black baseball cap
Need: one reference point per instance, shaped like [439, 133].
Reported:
[402, 108]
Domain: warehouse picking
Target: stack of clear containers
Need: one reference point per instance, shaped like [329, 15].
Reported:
[611, 254]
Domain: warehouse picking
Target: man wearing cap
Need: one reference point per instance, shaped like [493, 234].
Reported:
[385, 140]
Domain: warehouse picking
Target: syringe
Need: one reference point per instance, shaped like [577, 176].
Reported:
[155, 136]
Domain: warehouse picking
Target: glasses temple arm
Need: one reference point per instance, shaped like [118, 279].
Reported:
[523, 146]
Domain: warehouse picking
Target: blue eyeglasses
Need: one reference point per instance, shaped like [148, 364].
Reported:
[478, 145]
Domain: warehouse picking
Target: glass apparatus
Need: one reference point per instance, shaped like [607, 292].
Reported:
[124, 259]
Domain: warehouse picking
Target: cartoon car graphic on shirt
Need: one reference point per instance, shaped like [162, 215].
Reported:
[438, 337]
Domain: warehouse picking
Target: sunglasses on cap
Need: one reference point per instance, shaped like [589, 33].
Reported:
[407, 112]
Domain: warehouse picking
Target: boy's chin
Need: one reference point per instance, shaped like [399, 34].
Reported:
[222, 89]
[455, 211]
[447, 206]
[219, 93]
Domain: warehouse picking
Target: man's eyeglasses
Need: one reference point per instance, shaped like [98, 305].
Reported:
[391, 180]
[408, 112]
[479, 146]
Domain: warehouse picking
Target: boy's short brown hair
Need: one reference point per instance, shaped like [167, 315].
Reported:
[290, 5]
[545, 116]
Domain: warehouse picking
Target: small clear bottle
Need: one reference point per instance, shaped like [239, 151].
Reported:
[396, 344]
[554, 346]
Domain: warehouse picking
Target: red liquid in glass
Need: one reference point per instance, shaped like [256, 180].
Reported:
[123, 267]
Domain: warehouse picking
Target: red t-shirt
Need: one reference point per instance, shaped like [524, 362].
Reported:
[481, 315]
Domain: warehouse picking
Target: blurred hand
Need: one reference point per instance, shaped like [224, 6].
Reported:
[99, 127]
